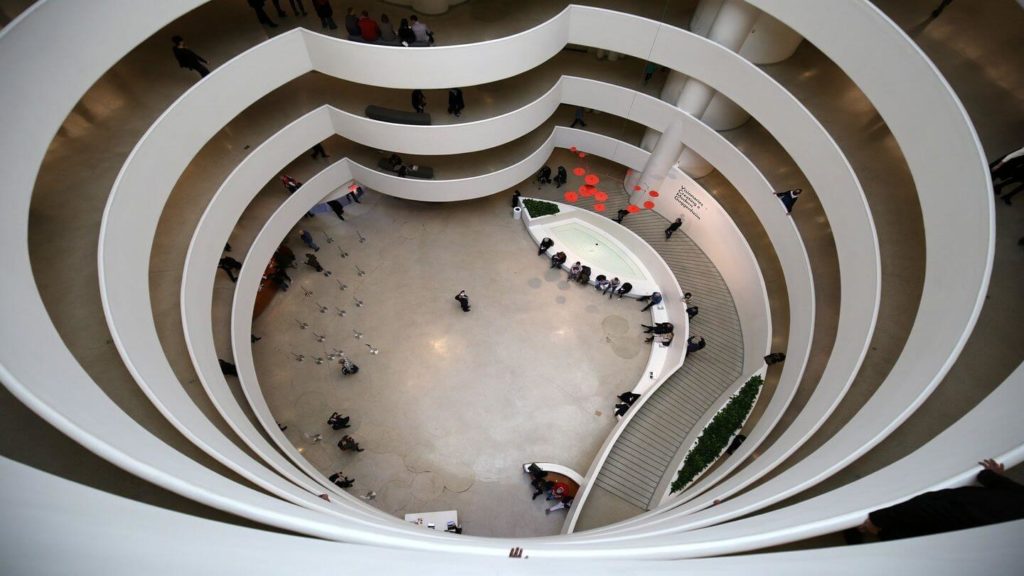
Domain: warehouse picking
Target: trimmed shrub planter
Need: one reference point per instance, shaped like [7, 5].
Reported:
[717, 434]
[538, 208]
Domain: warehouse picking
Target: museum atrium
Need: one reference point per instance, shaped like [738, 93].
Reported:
[233, 253]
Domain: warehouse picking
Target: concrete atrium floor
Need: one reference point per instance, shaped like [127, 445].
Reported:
[455, 402]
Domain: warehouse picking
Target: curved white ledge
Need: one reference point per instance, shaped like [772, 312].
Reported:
[212, 233]
[42, 535]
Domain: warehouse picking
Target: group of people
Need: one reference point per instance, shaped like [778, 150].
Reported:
[339, 422]
[555, 490]
[611, 287]
[580, 272]
[410, 30]
[544, 176]
[626, 400]
[456, 102]
[360, 28]
[283, 259]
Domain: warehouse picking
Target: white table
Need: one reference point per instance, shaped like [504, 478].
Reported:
[438, 519]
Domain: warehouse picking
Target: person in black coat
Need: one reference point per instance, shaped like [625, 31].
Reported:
[326, 14]
[455, 102]
[187, 58]
[405, 33]
[624, 289]
[338, 422]
[622, 213]
[227, 368]
[338, 207]
[340, 480]
[544, 176]
[463, 299]
[561, 177]
[673, 227]
[419, 101]
[998, 499]
[692, 346]
[692, 311]
[558, 259]
[228, 264]
[261, 14]
[545, 243]
[515, 198]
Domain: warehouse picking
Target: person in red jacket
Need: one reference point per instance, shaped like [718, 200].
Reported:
[368, 28]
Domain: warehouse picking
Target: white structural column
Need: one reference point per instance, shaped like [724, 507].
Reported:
[732, 24]
[658, 164]
[769, 41]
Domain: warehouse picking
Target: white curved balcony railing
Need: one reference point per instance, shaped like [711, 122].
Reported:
[133, 329]
[43, 374]
[40, 536]
[957, 197]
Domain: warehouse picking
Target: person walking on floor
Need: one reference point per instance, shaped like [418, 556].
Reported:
[326, 14]
[774, 358]
[340, 480]
[348, 367]
[561, 177]
[313, 263]
[307, 239]
[621, 214]
[545, 243]
[789, 198]
[691, 312]
[455, 102]
[419, 101]
[297, 7]
[227, 368]
[692, 346]
[261, 14]
[515, 199]
[655, 299]
[338, 208]
[348, 443]
[673, 227]
[187, 58]
[337, 421]
[578, 119]
[318, 151]
[463, 300]
[229, 264]
[290, 184]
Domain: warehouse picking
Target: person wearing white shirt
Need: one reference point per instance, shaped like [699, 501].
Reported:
[420, 29]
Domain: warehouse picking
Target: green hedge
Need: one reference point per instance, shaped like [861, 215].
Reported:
[538, 208]
[716, 436]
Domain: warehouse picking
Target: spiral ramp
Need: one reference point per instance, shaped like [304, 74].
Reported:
[194, 476]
